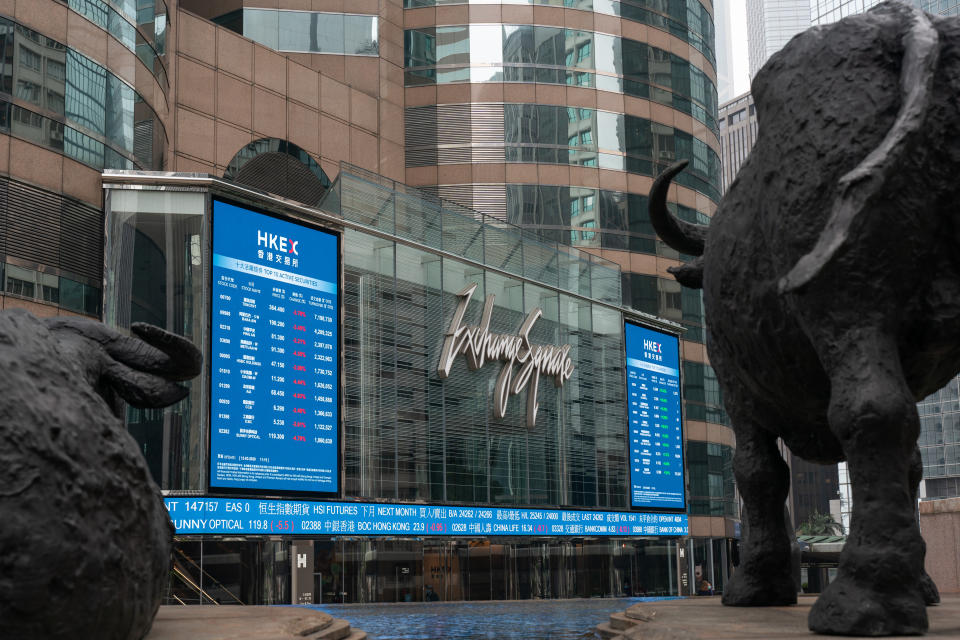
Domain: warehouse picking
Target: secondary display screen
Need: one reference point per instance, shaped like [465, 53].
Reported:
[274, 355]
[656, 435]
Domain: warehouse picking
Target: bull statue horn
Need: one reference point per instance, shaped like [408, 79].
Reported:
[683, 236]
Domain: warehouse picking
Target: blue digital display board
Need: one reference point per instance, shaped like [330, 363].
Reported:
[274, 363]
[197, 516]
[655, 428]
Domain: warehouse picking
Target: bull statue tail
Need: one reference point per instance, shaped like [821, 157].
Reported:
[683, 236]
[865, 182]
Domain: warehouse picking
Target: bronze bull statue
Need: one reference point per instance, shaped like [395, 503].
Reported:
[831, 285]
[85, 538]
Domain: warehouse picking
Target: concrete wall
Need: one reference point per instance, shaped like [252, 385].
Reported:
[940, 527]
[231, 91]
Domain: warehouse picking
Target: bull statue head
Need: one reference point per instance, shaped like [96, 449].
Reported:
[85, 538]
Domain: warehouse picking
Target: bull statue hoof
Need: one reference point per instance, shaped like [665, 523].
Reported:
[847, 609]
[85, 538]
[931, 595]
[745, 591]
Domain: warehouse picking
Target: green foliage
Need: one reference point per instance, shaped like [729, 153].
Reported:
[820, 524]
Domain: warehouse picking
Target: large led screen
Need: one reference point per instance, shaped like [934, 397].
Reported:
[656, 435]
[274, 366]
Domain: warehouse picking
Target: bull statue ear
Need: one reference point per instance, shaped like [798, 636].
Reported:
[142, 369]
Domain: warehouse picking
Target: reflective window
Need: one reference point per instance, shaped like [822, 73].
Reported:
[546, 134]
[529, 53]
[68, 292]
[360, 35]
[702, 397]
[106, 123]
[685, 19]
[263, 26]
[30, 59]
[940, 433]
[313, 31]
[118, 19]
[712, 490]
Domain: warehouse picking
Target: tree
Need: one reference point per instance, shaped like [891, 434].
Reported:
[820, 524]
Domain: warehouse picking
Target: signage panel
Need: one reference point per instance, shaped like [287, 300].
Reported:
[478, 345]
[194, 516]
[274, 406]
[301, 572]
[655, 429]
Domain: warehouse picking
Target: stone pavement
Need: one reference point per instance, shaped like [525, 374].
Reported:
[704, 618]
[249, 623]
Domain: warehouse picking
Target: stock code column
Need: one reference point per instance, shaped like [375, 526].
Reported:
[274, 355]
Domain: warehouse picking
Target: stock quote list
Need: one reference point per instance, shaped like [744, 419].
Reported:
[274, 362]
[656, 436]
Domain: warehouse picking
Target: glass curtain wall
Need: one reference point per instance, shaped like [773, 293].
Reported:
[351, 570]
[408, 434]
[154, 273]
[411, 435]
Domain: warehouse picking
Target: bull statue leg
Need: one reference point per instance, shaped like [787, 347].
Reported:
[764, 577]
[872, 413]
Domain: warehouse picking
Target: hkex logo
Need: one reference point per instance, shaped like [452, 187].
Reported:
[277, 243]
[650, 345]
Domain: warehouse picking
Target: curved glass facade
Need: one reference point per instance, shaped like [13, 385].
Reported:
[551, 134]
[56, 136]
[553, 55]
[585, 217]
[61, 99]
[313, 31]
[688, 20]
[140, 26]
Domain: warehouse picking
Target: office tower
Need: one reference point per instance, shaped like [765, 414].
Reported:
[771, 24]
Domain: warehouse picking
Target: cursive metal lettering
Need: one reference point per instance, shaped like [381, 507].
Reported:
[477, 345]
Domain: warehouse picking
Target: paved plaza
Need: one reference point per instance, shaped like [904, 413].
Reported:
[708, 619]
[584, 619]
